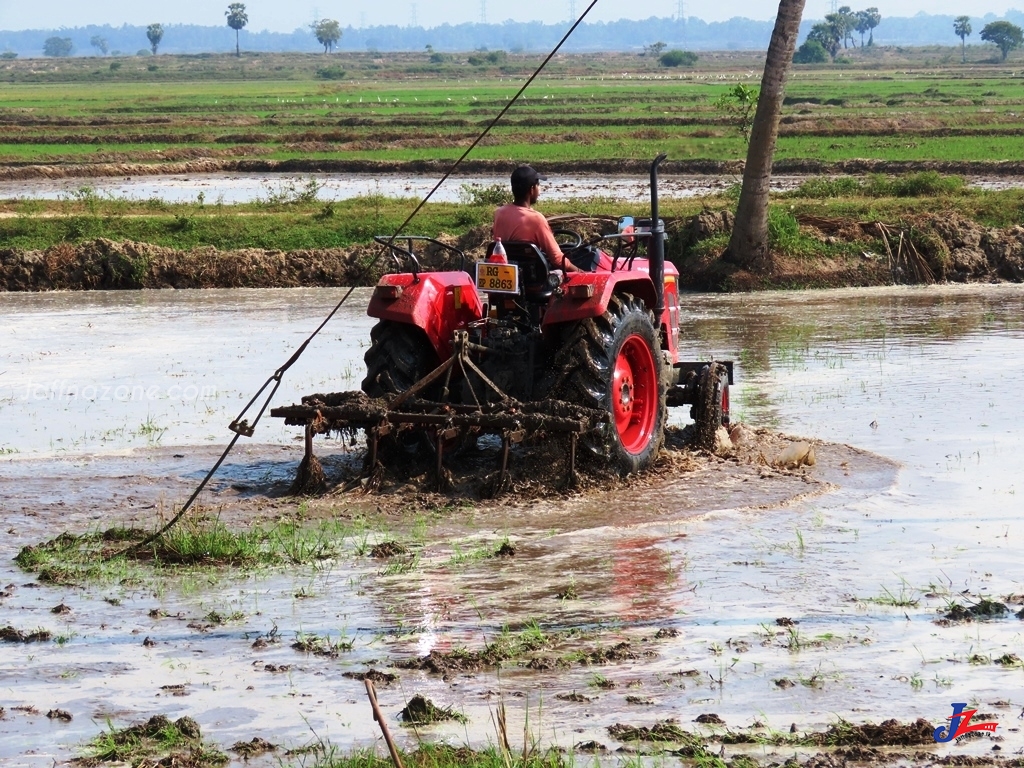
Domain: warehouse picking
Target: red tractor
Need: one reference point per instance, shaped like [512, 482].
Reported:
[522, 347]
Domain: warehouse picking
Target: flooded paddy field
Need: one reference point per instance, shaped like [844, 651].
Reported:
[234, 188]
[231, 188]
[776, 601]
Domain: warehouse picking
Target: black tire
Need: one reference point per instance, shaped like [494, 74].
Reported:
[584, 369]
[711, 409]
[398, 357]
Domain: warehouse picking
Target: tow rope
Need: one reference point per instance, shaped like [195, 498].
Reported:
[241, 426]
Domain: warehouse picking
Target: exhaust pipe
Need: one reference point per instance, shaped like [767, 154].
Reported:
[656, 251]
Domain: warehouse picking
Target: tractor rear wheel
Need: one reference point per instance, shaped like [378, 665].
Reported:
[711, 410]
[613, 363]
[399, 355]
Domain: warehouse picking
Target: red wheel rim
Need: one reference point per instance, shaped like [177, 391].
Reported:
[634, 394]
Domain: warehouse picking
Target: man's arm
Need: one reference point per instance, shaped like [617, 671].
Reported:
[550, 246]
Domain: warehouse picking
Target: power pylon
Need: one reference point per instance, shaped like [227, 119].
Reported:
[483, 11]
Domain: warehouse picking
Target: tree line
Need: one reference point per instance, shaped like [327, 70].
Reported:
[851, 28]
[326, 31]
[828, 37]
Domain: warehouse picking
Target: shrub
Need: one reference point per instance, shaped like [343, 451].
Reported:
[8, 55]
[494, 194]
[923, 184]
[783, 229]
[822, 187]
[677, 58]
[811, 52]
[115, 65]
[152, 67]
[332, 72]
[439, 58]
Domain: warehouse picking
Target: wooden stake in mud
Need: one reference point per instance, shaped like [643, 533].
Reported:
[380, 721]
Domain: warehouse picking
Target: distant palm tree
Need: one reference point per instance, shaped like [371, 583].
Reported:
[155, 33]
[237, 19]
[872, 18]
[748, 245]
[962, 28]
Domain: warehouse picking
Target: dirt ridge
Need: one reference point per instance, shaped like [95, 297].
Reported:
[947, 248]
[613, 166]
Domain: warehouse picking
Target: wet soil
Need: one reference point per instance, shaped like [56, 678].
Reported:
[918, 250]
[406, 487]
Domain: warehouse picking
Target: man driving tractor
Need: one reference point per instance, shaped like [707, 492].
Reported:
[520, 222]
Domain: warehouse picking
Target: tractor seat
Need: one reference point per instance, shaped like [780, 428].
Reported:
[534, 269]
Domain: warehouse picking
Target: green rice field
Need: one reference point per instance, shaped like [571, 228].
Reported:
[580, 111]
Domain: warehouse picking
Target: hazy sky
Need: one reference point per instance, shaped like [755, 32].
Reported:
[285, 16]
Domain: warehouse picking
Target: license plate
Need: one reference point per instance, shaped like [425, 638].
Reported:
[497, 278]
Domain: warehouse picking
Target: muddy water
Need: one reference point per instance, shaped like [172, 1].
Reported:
[244, 188]
[232, 188]
[924, 377]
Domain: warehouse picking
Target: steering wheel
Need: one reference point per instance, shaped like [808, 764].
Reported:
[577, 239]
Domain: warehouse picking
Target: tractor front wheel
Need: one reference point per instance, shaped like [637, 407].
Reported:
[613, 363]
[711, 410]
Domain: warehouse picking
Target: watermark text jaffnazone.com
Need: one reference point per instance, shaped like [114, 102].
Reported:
[70, 391]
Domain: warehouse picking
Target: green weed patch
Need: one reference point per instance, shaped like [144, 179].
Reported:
[158, 741]
[109, 555]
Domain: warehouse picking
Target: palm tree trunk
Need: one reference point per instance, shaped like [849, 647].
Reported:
[748, 246]
[238, 51]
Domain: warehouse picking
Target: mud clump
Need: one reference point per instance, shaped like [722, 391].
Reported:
[60, 714]
[667, 730]
[621, 652]
[507, 549]
[577, 698]
[983, 609]
[709, 719]
[891, 733]
[257, 746]
[796, 455]
[147, 744]
[322, 646]
[459, 660]
[388, 549]
[1009, 660]
[422, 711]
[375, 676]
[9, 634]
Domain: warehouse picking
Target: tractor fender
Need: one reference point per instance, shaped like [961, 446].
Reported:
[438, 302]
[578, 301]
